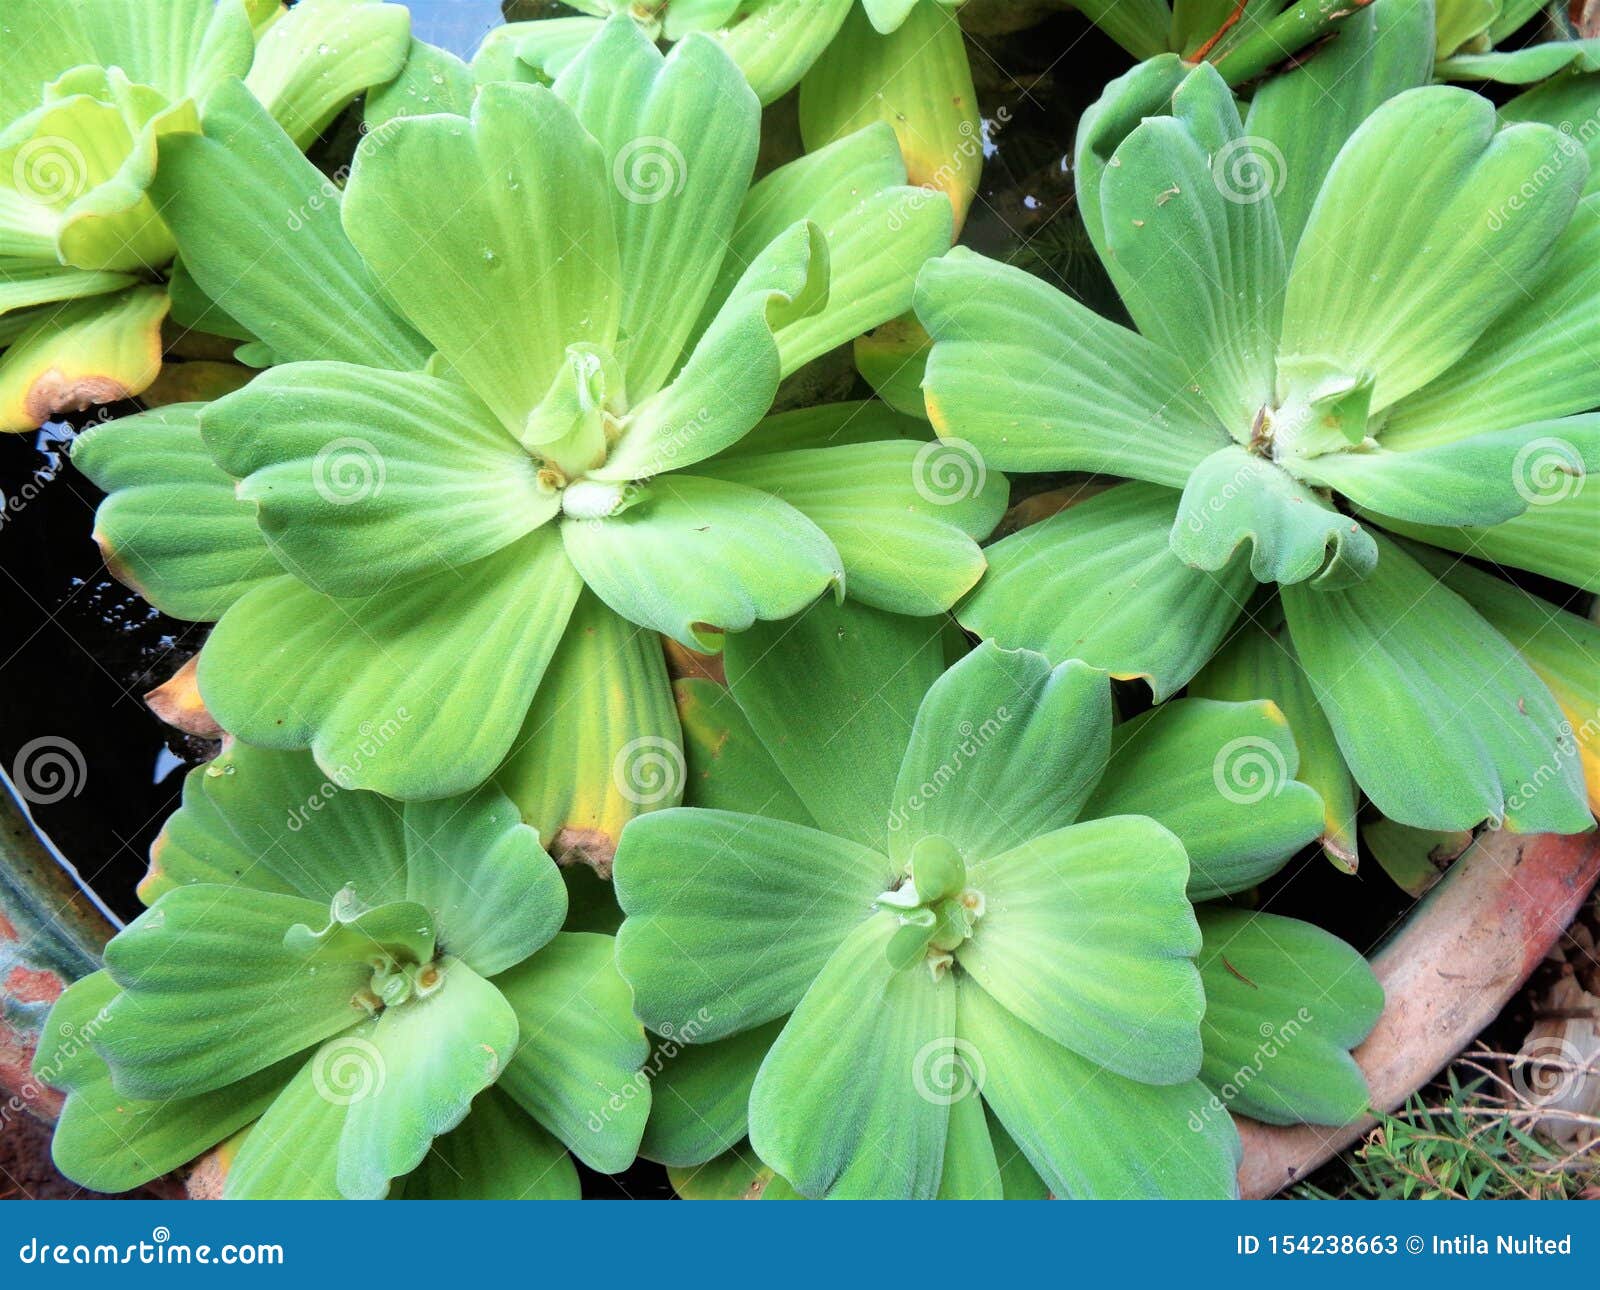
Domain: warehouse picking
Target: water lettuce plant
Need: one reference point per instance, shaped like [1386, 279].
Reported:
[1309, 391]
[88, 91]
[929, 933]
[379, 997]
[585, 446]
[903, 62]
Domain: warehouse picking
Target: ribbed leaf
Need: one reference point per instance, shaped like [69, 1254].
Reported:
[728, 768]
[1099, 583]
[1402, 652]
[171, 526]
[1221, 776]
[498, 1152]
[1285, 1001]
[700, 1096]
[1086, 935]
[460, 654]
[1036, 381]
[734, 914]
[842, 1105]
[1005, 748]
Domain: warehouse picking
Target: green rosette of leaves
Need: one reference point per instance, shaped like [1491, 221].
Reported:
[89, 90]
[1363, 323]
[357, 998]
[929, 933]
[902, 62]
[408, 555]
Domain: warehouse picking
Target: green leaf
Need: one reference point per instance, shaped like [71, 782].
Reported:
[506, 255]
[1199, 264]
[494, 894]
[728, 768]
[367, 481]
[879, 234]
[833, 695]
[576, 1070]
[1302, 115]
[970, 1170]
[85, 352]
[292, 1151]
[679, 136]
[1400, 299]
[317, 57]
[24, 285]
[1005, 748]
[497, 1153]
[1259, 662]
[700, 1095]
[432, 1054]
[171, 527]
[996, 379]
[1086, 935]
[1553, 538]
[1236, 497]
[1402, 652]
[460, 653]
[198, 845]
[776, 42]
[601, 742]
[1285, 1001]
[211, 993]
[904, 517]
[1414, 859]
[827, 425]
[1529, 364]
[734, 914]
[846, 1104]
[915, 77]
[547, 45]
[303, 832]
[1562, 649]
[1564, 102]
[695, 558]
[1098, 582]
[1221, 776]
[433, 80]
[729, 381]
[259, 230]
[111, 1143]
[1090, 1133]
[1526, 66]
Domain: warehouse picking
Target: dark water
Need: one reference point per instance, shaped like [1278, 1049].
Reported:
[78, 651]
